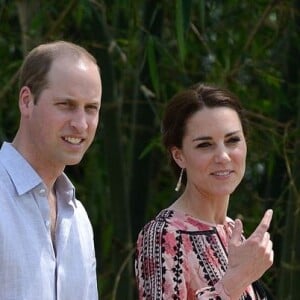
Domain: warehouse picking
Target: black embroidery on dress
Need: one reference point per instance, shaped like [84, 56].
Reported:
[178, 260]
[153, 259]
[218, 252]
[260, 290]
[201, 241]
[207, 245]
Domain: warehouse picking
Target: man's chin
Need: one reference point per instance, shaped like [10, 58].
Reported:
[74, 161]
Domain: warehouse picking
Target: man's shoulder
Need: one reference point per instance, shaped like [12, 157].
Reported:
[80, 209]
[4, 176]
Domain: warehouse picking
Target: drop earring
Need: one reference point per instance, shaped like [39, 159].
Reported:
[178, 185]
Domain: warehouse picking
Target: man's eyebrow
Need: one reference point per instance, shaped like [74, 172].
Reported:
[73, 100]
[94, 103]
[64, 98]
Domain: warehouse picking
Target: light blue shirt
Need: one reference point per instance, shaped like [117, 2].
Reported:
[30, 269]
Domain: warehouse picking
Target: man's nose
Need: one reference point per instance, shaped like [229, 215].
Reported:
[79, 120]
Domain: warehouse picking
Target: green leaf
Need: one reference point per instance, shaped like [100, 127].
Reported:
[183, 8]
[152, 62]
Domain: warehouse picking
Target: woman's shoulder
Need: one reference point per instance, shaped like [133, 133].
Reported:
[173, 220]
[164, 219]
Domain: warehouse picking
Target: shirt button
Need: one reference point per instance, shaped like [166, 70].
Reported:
[42, 192]
[47, 223]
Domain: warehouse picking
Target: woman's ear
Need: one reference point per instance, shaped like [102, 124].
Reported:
[26, 101]
[178, 156]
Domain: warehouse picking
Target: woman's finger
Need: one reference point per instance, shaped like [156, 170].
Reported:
[264, 224]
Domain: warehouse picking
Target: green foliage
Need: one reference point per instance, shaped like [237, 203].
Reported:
[183, 8]
[147, 51]
[152, 62]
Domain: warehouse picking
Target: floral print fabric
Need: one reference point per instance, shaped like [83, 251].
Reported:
[180, 257]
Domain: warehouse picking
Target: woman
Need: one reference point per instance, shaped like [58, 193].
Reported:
[192, 249]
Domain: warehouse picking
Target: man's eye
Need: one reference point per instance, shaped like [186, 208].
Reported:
[66, 105]
[63, 104]
[92, 108]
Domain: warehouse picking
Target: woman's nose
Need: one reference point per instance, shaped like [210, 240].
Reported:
[222, 155]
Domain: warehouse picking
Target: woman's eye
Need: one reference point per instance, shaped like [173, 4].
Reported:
[233, 140]
[204, 145]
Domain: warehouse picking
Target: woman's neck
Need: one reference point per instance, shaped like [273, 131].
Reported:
[203, 207]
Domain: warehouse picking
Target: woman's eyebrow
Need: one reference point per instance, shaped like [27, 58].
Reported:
[205, 138]
[201, 138]
[232, 133]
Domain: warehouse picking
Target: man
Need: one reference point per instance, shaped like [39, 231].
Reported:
[46, 239]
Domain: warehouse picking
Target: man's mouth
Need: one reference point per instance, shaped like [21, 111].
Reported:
[73, 140]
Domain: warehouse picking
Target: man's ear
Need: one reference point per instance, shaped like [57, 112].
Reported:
[178, 156]
[26, 101]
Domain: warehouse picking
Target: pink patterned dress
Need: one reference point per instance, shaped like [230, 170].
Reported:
[180, 257]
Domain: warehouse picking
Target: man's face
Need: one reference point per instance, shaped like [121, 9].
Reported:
[63, 122]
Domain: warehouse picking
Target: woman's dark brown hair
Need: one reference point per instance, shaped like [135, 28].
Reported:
[186, 103]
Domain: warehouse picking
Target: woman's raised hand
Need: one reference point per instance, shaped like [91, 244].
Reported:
[248, 259]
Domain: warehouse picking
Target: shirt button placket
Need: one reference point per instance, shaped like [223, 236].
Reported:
[44, 207]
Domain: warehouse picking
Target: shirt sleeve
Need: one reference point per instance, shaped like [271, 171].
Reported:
[158, 266]
[212, 293]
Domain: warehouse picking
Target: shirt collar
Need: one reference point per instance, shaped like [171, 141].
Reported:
[64, 186]
[25, 178]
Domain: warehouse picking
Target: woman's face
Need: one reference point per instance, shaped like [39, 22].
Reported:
[213, 151]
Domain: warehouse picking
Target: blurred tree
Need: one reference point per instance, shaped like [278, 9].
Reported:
[290, 258]
[147, 51]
